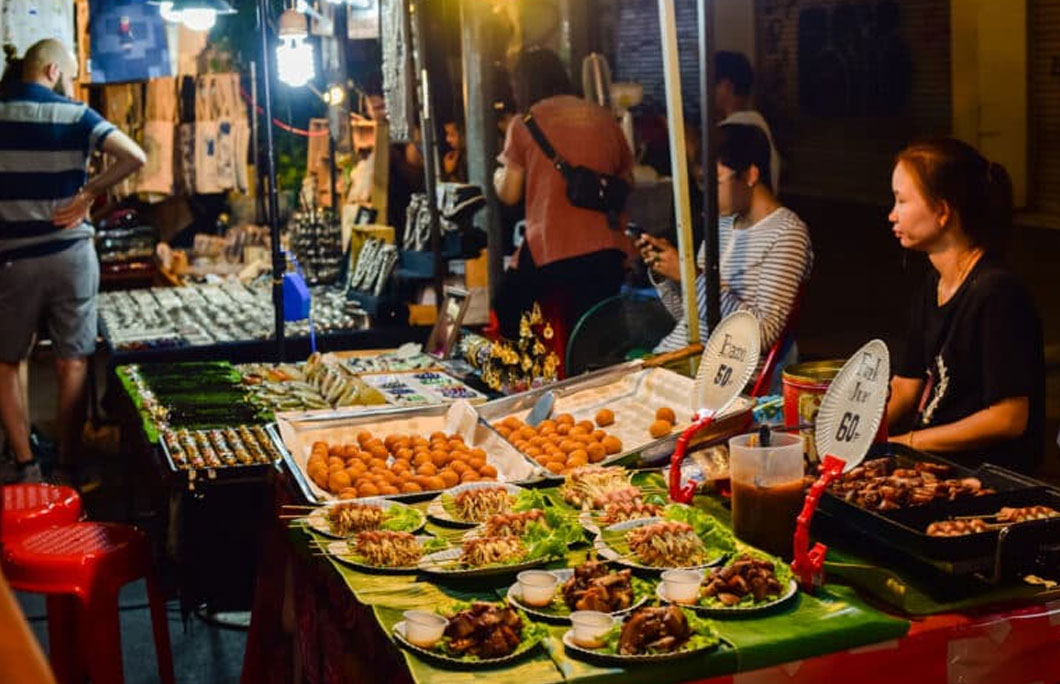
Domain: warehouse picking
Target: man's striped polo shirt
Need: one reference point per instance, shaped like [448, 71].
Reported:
[45, 143]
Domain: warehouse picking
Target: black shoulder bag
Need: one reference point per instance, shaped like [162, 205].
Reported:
[586, 189]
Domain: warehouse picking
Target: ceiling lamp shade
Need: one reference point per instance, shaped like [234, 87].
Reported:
[197, 15]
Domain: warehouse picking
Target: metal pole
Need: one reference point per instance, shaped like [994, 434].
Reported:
[480, 121]
[336, 205]
[259, 200]
[430, 152]
[279, 265]
[709, 119]
[678, 156]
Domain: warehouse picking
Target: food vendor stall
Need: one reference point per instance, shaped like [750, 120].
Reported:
[363, 580]
[195, 435]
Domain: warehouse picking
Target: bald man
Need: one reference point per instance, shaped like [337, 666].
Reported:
[48, 265]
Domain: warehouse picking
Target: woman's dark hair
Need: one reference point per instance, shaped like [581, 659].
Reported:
[735, 68]
[741, 146]
[13, 71]
[977, 190]
[539, 74]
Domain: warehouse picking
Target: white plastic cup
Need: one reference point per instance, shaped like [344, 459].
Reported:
[537, 587]
[424, 629]
[682, 586]
[590, 627]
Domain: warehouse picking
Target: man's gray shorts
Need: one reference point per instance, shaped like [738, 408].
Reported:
[58, 288]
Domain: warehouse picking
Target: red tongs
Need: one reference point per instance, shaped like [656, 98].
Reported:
[679, 494]
[808, 564]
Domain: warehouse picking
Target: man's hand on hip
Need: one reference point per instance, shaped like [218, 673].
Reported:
[74, 212]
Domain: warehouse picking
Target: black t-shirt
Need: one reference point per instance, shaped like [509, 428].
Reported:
[982, 346]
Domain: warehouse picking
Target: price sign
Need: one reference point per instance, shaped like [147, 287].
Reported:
[854, 405]
[730, 358]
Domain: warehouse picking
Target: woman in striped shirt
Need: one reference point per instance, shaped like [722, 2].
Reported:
[765, 248]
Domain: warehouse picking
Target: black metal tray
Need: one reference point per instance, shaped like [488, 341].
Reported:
[238, 472]
[903, 530]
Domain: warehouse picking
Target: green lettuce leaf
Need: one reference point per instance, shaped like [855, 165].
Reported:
[402, 519]
[714, 535]
[434, 544]
[529, 499]
[553, 544]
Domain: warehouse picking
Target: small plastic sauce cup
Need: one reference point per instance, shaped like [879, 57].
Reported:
[590, 626]
[424, 629]
[537, 587]
[682, 586]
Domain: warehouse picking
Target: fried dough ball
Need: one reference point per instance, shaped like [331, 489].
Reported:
[660, 428]
[612, 445]
[605, 417]
[666, 413]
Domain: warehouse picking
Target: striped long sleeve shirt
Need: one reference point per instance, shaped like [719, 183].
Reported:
[45, 144]
[762, 268]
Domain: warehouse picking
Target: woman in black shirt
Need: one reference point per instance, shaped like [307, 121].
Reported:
[972, 376]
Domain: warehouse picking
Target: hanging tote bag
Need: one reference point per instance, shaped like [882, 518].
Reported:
[159, 137]
[207, 178]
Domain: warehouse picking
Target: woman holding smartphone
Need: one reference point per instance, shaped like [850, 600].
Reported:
[766, 254]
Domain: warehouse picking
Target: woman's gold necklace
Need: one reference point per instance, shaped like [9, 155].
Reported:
[973, 257]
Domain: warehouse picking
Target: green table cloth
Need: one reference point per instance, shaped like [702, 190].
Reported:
[834, 620]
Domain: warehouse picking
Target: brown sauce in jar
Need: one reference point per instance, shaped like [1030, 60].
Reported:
[765, 516]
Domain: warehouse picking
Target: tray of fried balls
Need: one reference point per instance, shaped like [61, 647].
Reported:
[396, 464]
[559, 445]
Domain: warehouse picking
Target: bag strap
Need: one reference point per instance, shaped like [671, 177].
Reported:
[539, 137]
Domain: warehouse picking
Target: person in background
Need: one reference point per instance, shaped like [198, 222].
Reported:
[972, 375]
[48, 264]
[766, 254]
[570, 255]
[454, 163]
[733, 78]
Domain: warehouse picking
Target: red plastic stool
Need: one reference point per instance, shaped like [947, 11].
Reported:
[29, 508]
[81, 567]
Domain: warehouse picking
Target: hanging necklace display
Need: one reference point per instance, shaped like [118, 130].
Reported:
[364, 263]
[372, 270]
[388, 259]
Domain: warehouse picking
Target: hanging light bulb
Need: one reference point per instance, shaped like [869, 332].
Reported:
[200, 19]
[166, 10]
[196, 15]
[294, 54]
[335, 95]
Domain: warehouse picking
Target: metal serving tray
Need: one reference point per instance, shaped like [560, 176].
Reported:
[634, 393]
[294, 434]
[239, 471]
[904, 530]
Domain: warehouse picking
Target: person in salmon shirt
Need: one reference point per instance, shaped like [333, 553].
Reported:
[570, 255]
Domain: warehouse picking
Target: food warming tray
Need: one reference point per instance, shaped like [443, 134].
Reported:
[633, 393]
[296, 432]
[1024, 547]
